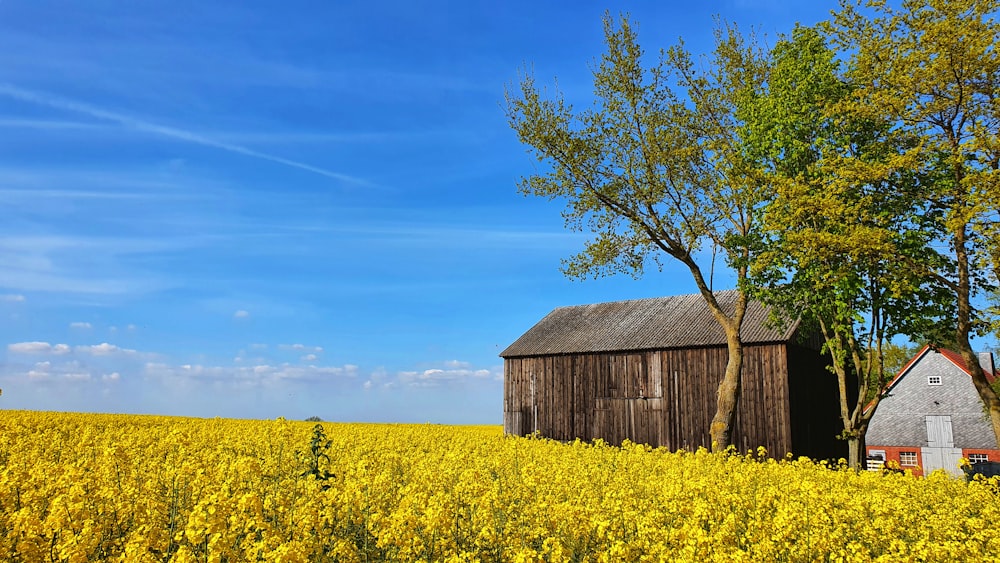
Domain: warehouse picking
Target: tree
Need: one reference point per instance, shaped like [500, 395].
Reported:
[895, 357]
[841, 220]
[657, 168]
[932, 69]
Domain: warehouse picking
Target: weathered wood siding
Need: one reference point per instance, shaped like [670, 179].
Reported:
[660, 397]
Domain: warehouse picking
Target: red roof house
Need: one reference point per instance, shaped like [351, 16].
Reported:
[932, 416]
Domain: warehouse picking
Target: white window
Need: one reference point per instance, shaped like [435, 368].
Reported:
[933, 380]
[978, 458]
[907, 459]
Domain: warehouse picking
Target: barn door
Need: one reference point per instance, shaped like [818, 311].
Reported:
[940, 452]
[939, 432]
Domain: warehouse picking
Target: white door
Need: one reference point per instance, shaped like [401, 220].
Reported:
[939, 432]
[940, 452]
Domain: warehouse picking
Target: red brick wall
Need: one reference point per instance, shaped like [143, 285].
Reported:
[892, 454]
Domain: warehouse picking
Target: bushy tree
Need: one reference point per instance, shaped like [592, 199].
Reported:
[841, 222]
[656, 169]
[931, 69]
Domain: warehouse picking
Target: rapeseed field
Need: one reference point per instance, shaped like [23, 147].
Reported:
[83, 487]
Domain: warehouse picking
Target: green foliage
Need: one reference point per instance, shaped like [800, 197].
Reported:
[931, 70]
[316, 460]
[656, 165]
[896, 356]
[842, 221]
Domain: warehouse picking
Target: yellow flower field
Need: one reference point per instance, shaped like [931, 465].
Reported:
[77, 487]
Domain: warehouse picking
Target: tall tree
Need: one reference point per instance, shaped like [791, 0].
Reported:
[840, 221]
[896, 356]
[932, 68]
[657, 168]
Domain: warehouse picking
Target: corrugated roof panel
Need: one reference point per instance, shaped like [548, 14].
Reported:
[680, 321]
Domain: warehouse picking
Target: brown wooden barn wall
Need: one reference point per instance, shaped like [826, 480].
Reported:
[662, 397]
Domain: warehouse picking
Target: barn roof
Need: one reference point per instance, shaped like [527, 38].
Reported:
[682, 321]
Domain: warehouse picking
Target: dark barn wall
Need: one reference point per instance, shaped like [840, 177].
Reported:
[815, 411]
[663, 398]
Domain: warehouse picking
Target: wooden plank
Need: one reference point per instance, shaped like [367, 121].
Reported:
[655, 363]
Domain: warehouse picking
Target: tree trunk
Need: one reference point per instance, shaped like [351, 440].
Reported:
[963, 330]
[855, 453]
[986, 393]
[729, 392]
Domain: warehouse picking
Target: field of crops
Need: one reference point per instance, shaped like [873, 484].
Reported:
[134, 488]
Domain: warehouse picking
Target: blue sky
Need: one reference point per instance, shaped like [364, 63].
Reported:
[260, 209]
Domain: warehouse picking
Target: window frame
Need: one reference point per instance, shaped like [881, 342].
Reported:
[979, 458]
[908, 459]
[934, 380]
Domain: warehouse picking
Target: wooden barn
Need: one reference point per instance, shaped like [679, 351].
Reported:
[648, 370]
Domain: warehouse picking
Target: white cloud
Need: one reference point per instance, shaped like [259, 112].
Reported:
[37, 348]
[260, 374]
[301, 348]
[80, 325]
[39, 371]
[29, 347]
[434, 377]
[131, 328]
[70, 371]
[309, 358]
[12, 298]
[241, 314]
[77, 376]
[105, 349]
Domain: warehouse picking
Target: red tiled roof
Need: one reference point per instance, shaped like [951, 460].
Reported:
[956, 359]
[951, 355]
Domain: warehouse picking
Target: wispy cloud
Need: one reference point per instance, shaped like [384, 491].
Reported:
[241, 314]
[78, 265]
[106, 349]
[436, 376]
[300, 348]
[80, 325]
[253, 375]
[12, 298]
[38, 348]
[56, 102]
[452, 372]
[10, 123]
[69, 372]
